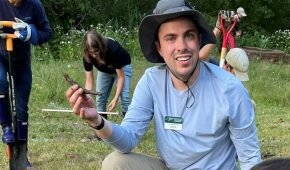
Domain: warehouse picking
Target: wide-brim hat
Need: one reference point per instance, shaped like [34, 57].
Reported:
[165, 10]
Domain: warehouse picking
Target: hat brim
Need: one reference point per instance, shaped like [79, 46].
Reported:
[243, 76]
[150, 24]
[244, 14]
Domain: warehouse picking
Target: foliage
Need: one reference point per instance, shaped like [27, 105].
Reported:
[68, 46]
[70, 20]
[267, 15]
[278, 40]
[81, 14]
[62, 46]
[281, 40]
[254, 38]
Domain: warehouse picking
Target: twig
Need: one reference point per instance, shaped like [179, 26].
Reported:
[73, 82]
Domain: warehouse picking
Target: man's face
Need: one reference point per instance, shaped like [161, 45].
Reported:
[179, 45]
[229, 68]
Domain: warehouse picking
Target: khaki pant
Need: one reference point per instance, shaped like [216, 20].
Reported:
[132, 161]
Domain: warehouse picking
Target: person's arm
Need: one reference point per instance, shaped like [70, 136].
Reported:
[217, 32]
[218, 28]
[122, 137]
[243, 131]
[43, 29]
[205, 51]
[89, 83]
[120, 83]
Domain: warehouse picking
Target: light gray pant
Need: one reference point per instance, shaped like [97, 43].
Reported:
[132, 161]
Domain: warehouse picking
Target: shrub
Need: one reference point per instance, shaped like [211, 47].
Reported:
[279, 40]
[68, 46]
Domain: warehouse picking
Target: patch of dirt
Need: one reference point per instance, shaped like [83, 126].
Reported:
[267, 155]
[272, 55]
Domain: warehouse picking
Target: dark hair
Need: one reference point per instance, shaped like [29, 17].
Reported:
[273, 164]
[93, 39]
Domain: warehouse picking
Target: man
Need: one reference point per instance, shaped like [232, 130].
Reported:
[237, 63]
[31, 27]
[202, 115]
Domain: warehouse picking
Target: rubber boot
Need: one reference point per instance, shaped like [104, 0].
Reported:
[12, 159]
[21, 146]
[20, 160]
[8, 135]
[5, 119]
[21, 155]
[27, 163]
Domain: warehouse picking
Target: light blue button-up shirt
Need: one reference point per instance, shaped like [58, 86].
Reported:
[219, 125]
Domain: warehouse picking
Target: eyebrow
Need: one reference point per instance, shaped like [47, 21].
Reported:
[190, 30]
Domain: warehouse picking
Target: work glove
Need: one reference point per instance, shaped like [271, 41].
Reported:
[24, 31]
[2, 35]
[227, 15]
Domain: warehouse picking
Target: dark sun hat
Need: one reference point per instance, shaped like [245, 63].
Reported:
[165, 10]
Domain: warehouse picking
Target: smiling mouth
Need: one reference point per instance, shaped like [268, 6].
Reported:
[182, 58]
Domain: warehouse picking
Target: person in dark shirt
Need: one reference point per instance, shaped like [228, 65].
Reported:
[31, 27]
[113, 63]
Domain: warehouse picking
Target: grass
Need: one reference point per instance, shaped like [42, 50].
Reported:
[269, 86]
[56, 140]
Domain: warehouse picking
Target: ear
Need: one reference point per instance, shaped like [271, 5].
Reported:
[157, 44]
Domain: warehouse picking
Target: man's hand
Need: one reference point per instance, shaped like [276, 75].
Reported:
[23, 30]
[82, 105]
[78, 100]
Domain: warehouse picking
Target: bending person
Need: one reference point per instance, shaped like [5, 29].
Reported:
[237, 63]
[113, 63]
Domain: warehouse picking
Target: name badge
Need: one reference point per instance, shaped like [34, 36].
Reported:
[173, 123]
